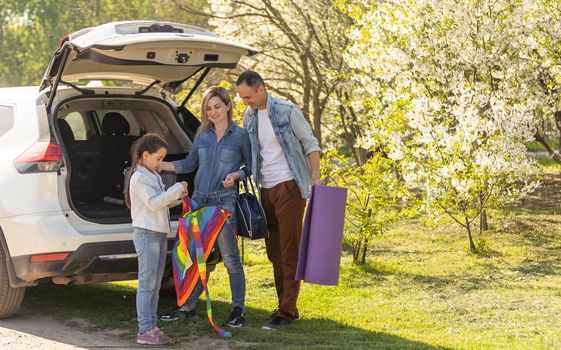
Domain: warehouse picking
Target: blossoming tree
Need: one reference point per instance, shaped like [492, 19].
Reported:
[446, 83]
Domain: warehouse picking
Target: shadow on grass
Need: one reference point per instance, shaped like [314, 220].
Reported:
[532, 268]
[374, 272]
[541, 236]
[536, 229]
[371, 267]
[547, 198]
[548, 264]
[538, 238]
[109, 307]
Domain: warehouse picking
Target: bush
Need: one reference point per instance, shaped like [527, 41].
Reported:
[373, 195]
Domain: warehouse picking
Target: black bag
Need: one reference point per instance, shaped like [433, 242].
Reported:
[250, 214]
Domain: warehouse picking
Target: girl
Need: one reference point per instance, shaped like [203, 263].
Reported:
[219, 150]
[151, 226]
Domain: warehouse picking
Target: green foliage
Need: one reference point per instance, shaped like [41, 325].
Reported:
[31, 30]
[373, 197]
[548, 164]
[535, 146]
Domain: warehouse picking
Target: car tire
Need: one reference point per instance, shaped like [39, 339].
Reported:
[10, 298]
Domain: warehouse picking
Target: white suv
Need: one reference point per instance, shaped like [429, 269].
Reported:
[63, 148]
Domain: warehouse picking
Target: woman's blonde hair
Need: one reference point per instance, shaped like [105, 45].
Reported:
[224, 96]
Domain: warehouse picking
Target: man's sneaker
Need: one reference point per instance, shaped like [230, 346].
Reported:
[277, 323]
[274, 314]
[177, 313]
[236, 318]
[152, 337]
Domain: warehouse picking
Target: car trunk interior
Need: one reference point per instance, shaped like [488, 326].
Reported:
[97, 134]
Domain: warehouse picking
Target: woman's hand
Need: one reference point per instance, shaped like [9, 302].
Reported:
[231, 179]
[167, 166]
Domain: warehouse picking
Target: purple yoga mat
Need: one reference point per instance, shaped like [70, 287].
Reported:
[322, 236]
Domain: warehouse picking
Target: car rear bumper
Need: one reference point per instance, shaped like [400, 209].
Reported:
[90, 263]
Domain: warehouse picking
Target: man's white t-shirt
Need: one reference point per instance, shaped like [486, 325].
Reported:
[274, 169]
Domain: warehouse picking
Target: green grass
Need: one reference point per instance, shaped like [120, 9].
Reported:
[548, 164]
[420, 289]
[535, 146]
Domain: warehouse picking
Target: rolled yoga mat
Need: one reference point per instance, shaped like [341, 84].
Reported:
[322, 236]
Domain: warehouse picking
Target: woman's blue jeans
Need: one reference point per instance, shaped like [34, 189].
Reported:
[228, 245]
[151, 248]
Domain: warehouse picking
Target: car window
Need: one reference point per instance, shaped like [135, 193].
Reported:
[163, 127]
[76, 122]
[6, 119]
[127, 114]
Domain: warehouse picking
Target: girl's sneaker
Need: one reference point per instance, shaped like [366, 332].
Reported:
[152, 337]
[161, 334]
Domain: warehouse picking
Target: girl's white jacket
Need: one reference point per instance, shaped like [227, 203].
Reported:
[150, 200]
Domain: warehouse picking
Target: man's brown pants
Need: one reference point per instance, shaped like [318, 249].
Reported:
[284, 209]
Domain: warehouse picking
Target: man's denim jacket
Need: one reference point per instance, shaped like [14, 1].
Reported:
[294, 135]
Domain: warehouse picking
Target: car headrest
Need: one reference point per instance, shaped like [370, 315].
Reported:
[65, 131]
[115, 124]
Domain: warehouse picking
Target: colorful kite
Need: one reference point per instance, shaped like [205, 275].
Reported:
[196, 234]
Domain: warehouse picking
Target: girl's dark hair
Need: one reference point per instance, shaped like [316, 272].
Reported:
[150, 143]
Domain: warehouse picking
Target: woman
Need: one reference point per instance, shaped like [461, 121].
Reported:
[219, 150]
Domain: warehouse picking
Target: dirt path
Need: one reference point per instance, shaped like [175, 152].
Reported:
[29, 331]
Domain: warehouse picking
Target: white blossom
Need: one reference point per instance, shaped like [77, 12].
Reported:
[455, 78]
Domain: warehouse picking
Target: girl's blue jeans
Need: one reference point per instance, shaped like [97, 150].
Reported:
[151, 248]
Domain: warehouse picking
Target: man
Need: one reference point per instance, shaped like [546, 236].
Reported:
[285, 162]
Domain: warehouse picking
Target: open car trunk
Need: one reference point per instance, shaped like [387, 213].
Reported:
[97, 134]
[98, 128]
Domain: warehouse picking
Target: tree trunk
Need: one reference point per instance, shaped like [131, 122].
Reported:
[356, 251]
[554, 155]
[483, 226]
[1, 35]
[363, 258]
[472, 247]
[317, 125]
[557, 117]
[349, 138]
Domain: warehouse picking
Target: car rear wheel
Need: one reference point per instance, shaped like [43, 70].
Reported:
[10, 298]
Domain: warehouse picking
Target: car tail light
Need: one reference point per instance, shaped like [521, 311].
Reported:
[39, 158]
[49, 257]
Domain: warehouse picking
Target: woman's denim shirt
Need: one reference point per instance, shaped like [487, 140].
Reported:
[217, 159]
[294, 135]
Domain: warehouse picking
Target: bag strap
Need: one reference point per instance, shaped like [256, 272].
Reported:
[246, 187]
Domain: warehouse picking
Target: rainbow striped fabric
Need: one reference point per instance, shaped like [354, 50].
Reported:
[196, 234]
